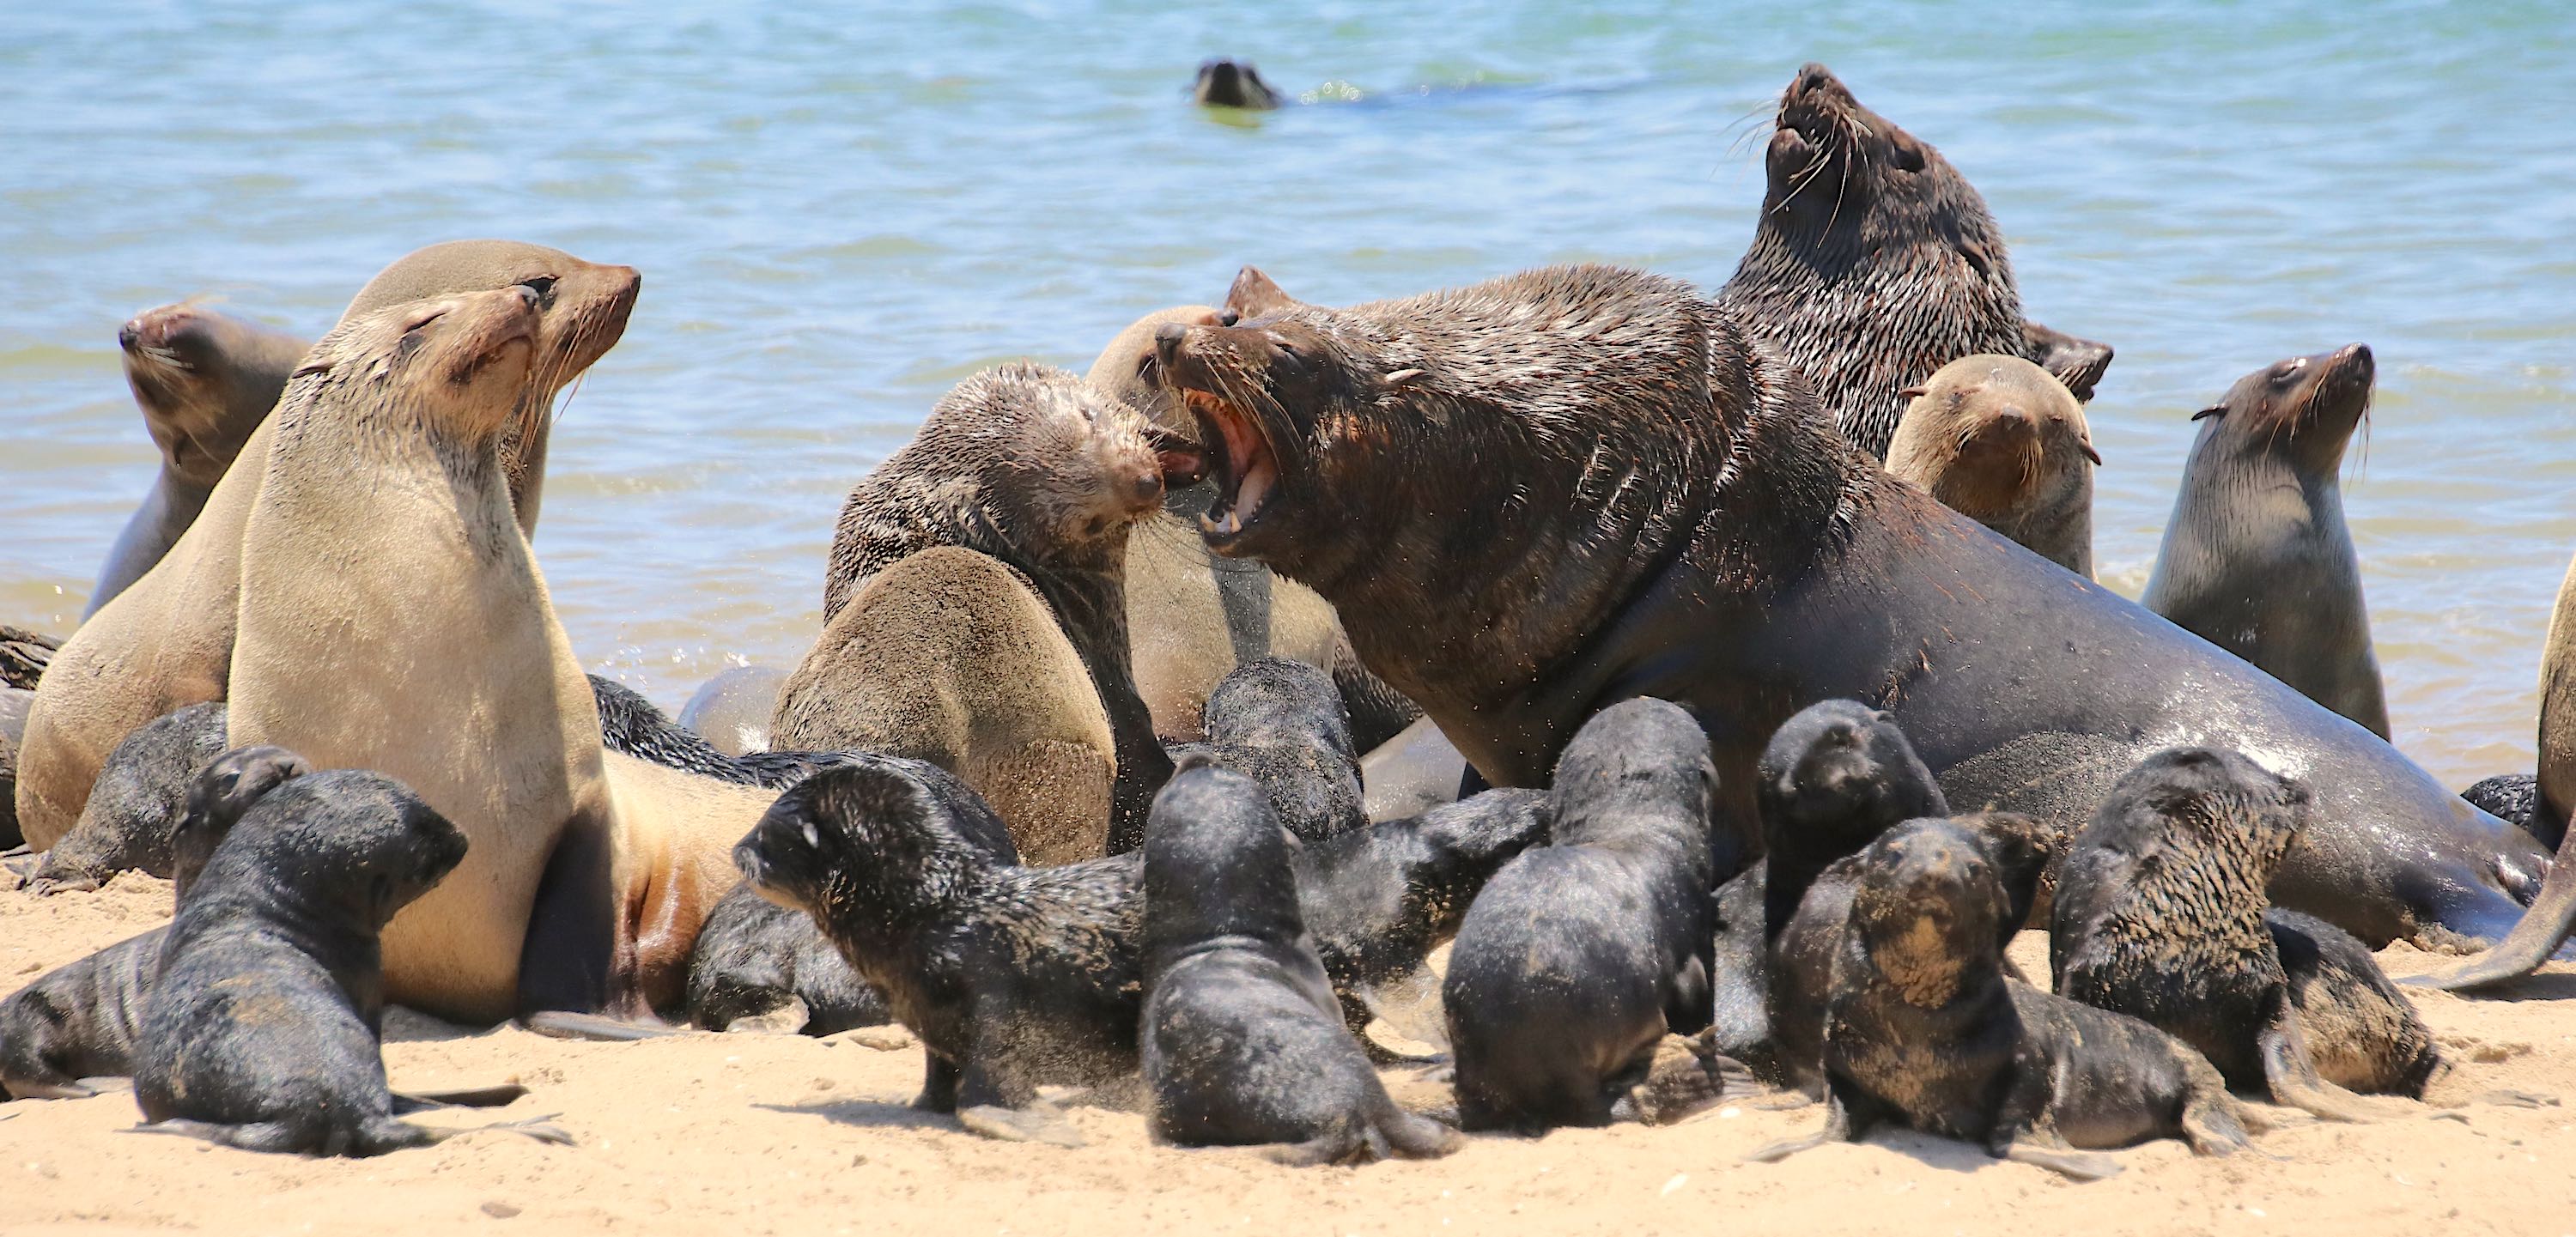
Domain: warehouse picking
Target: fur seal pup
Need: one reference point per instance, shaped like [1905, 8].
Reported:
[2159, 915]
[1874, 263]
[764, 964]
[632, 725]
[136, 806]
[2256, 558]
[1923, 1030]
[2514, 798]
[1281, 723]
[167, 640]
[205, 381]
[83, 1020]
[1025, 464]
[1580, 955]
[24, 655]
[1702, 535]
[1241, 1038]
[733, 709]
[2363, 1034]
[1013, 977]
[1230, 83]
[2002, 442]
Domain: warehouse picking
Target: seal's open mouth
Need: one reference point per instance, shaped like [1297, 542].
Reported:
[1183, 463]
[1246, 467]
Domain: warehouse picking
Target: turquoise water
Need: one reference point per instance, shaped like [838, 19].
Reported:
[838, 214]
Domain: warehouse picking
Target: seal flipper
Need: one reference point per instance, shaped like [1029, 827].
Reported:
[1848, 1119]
[2291, 1073]
[408, 1102]
[2536, 936]
[1037, 1123]
[570, 958]
[938, 1084]
[2053, 1153]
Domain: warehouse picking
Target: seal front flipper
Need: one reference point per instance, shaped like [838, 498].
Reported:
[408, 1102]
[1038, 1123]
[2053, 1154]
[938, 1084]
[2533, 938]
[1847, 1120]
[570, 959]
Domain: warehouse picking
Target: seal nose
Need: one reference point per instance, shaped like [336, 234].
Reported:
[1148, 486]
[1812, 76]
[130, 334]
[2355, 355]
[1167, 343]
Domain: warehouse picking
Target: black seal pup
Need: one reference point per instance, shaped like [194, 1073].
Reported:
[1874, 263]
[136, 803]
[2003, 442]
[1923, 1030]
[2160, 915]
[1231, 83]
[631, 724]
[2363, 1034]
[1013, 977]
[761, 964]
[1581, 955]
[1241, 1039]
[2257, 559]
[1706, 537]
[1282, 724]
[82, 1020]
[262, 1031]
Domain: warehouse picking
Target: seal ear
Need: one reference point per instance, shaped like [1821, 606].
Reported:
[1253, 295]
[1912, 393]
[2079, 363]
[2214, 410]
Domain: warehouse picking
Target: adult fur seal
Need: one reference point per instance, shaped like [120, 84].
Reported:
[136, 806]
[1923, 1030]
[1579, 956]
[2159, 915]
[83, 1020]
[205, 381]
[167, 640]
[14, 703]
[1241, 1039]
[2256, 558]
[733, 709]
[1229, 83]
[2002, 441]
[1874, 263]
[1027, 465]
[1281, 723]
[1703, 535]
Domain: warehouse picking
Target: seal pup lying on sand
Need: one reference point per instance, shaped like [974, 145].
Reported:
[1874, 263]
[1923, 1030]
[136, 804]
[2257, 559]
[167, 640]
[1706, 537]
[1241, 1039]
[2001, 441]
[765, 965]
[1580, 955]
[1281, 724]
[205, 380]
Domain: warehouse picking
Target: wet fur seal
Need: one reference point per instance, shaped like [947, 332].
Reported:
[1027, 465]
[2362, 1032]
[733, 709]
[1923, 1030]
[2002, 441]
[167, 640]
[137, 804]
[758, 961]
[1874, 263]
[631, 725]
[1579, 956]
[1241, 1039]
[2256, 558]
[83, 1020]
[1230, 83]
[1281, 724]
[14, 703]
[205, 381]
[2160, 915]
[1707, 537]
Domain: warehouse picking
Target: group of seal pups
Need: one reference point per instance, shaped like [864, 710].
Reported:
[1166, 720]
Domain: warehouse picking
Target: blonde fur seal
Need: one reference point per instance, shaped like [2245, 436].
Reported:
[2003, 442]
[166, 642]
[395, 620]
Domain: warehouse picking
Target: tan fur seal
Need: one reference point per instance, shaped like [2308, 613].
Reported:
[2003, 442]
[167, 641]
[205, 381]
[394, 620]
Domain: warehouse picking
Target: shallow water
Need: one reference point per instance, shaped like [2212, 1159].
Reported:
[839, 215]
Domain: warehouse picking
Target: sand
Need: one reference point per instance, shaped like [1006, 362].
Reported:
[729, 1134]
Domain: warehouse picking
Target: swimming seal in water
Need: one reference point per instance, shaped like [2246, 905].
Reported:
[1874, 263]
[2257, 559]
[1579, 956]
[1241, 1039]
[1280, 723]
[1705, 536]
[2001, 441]
[1228, 83]
[132, 812]
[1923, 1030]
[205, 381]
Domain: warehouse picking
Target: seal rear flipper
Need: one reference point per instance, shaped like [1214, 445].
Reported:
[577, 956]
[273, 1137]
[2055, 1156]
[597, 1028]
[2533, 939]
[408, 1102]
[1037, 1123]
[1843, 1124]
[2291, 1074]
[2079, 363]
[1413, 1136]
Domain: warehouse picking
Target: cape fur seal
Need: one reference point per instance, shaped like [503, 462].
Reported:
[2256, 558]
[2002, 442]
[760, 962]
[1923, 1030]
[1704, 536]
[136, 805]
[1874, 263]
[1241, 1038]
[167, 640]
[205, 380]
[1229, 83]
[1281, 724]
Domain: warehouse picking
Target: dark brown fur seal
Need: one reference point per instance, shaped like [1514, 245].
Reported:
[136, 807]
[1923, 1030]
[1701, 534]
[24, 655]
[2256, 558]
[763, 963]
[1281, 723]
[1229, 83]
[1875, 263]
[2001, 441]
[205, 381]
[1241, 1040]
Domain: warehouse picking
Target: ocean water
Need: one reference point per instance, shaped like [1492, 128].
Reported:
[840, 211]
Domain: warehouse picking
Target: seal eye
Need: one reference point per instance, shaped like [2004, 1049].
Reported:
[544, 287]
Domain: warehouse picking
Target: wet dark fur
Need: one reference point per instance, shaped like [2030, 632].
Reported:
[1013, 977]
[2515, 799]
[136, 803]
[1923, 1030]
[631, 724]
[24, 655]
[1230, 83]
[262, 1031]
[1282, 724]
[754, 956]
[1579, 956]
[1875, 263]
[1241, 1039]
[1834, 777]
[2363, 1033]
